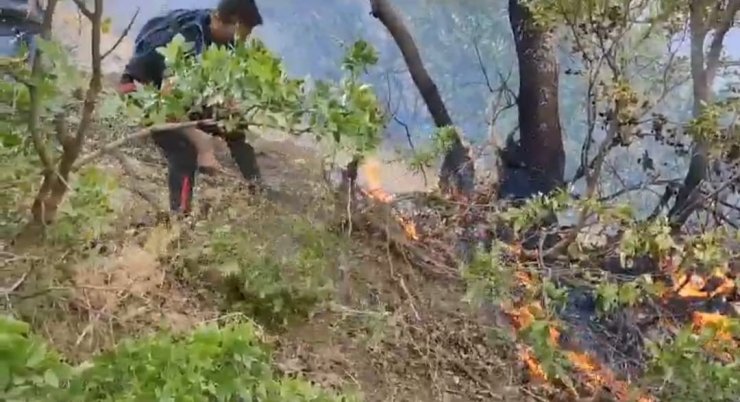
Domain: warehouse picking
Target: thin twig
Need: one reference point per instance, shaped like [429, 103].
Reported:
[12, 288]
[83, 9]
[122, 36]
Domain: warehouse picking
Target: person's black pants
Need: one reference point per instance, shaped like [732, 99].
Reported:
[182, 162]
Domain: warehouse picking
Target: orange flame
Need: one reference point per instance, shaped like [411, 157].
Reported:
[595, 375]
[717, 321]
[371, 170]
[693, 286]
[536, 372]
[723, 338]
[598, 376]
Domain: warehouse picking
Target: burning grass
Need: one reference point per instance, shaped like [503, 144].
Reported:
[374, 190]
[649, 306]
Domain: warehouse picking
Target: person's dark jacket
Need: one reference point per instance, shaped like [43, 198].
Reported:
[147, 65]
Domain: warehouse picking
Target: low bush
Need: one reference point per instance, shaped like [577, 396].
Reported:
[216, 363]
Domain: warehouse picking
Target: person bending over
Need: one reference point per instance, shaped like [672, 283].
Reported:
[188, 150]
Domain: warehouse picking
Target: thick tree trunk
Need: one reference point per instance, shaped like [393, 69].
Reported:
[539, 157]
[457, 174]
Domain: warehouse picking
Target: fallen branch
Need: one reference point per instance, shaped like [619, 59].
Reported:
[82, 161]
[432, 257]
[4, 292]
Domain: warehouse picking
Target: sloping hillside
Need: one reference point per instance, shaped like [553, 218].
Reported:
[340, 309]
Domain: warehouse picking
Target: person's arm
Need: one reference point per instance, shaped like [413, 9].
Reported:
[149, 67]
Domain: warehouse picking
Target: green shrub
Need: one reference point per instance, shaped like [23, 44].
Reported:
[273, 279]
[88, 212]
[228, 363]
[687, 372]
[28, 369]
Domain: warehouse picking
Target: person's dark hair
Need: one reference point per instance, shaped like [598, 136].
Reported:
[242, 11]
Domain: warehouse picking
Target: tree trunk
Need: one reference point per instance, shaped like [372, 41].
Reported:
[50, 196]
[703, 71]
[457, 174]
[539, 157]
[56, 177]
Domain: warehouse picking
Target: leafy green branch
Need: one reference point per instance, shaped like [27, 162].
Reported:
[247, 87]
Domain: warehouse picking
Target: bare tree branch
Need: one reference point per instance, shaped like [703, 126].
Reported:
[83, 9]
[636, 187]
[94, 88]
[54, 186]
[715, 48]
[122, 36]
[483, 68]
[703, 70]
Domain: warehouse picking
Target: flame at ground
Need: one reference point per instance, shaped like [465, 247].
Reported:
[723, 339]
[695, 286]
[371, 171]
[595, 375]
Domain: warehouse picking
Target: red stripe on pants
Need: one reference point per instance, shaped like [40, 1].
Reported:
[185, 194]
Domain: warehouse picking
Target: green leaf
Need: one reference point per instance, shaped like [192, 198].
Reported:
[51, 379]
[36, 357]
[106, 24]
